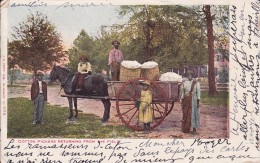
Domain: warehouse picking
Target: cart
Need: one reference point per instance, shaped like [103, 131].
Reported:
[127, 94]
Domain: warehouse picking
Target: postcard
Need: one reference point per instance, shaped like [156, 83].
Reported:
[86, 81]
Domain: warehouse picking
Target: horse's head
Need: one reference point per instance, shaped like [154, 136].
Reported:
[54, 74]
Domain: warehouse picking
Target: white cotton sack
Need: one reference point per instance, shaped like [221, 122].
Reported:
[131, 64]
[149, 64]
[170, 76]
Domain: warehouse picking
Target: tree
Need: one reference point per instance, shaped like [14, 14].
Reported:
[12, 61]
[36, 44]
[166, 34]
[211, 70]
[82, 45]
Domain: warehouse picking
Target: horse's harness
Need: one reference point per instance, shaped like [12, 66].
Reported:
[63, 83]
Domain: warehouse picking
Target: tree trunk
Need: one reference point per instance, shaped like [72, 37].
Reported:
[147, 32]
[34, 74]
[211, 70]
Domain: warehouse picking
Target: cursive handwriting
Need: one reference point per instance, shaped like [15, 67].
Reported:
[86, 160]
[149, 143]
[213, 143]
[116, 150]
[56, 146]
[37, 3]
[11, 145]
[236, 148]
[72, 5]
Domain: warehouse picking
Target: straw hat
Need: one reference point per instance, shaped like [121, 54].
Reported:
[146, 82]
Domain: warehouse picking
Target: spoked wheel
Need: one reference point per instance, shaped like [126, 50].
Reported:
[127, 104]
[170, 108]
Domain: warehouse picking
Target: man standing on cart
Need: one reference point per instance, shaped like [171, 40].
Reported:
[114, 59]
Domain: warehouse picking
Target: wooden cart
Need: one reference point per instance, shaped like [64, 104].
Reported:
[127, 94]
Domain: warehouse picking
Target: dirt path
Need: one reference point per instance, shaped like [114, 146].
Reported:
[214, 121]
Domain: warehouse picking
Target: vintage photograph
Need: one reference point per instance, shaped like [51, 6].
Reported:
[118, 71]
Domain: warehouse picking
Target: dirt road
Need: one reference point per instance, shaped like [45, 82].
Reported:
[214, 121]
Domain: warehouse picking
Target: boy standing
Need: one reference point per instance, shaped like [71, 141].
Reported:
[145, 110]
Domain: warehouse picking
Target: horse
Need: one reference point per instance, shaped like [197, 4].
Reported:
[94, 85]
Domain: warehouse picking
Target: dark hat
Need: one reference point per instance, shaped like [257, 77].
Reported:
[40, 74]
[189, 72]
[83, 58]
[115, 42]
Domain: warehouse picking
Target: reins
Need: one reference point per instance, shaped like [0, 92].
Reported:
[64, 83]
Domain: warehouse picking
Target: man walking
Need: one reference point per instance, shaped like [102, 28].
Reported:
[38, 96]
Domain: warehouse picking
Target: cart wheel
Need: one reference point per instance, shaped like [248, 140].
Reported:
[127, 104]
[170, 109]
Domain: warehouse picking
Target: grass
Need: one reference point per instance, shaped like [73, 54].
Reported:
[11, 86]
[221, 99]
[20, 114]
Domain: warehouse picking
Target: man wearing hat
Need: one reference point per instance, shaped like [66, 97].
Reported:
[38, 96]
[190, 99]
[145, 112]
[114, 59]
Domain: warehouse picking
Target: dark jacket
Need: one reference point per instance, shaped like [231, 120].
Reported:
[35, 90]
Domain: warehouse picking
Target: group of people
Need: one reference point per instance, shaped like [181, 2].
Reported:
[39, 87]
[190, 93]
[190, 102]
[115, 57]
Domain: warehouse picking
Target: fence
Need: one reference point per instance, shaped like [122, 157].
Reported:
[221, 87]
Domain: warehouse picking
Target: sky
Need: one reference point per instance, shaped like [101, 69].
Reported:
[69, 21]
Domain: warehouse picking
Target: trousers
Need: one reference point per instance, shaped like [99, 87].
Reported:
[115, 71]
[38, 109]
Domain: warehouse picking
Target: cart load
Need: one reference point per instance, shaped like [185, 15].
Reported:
[150, 71]
[129, 70]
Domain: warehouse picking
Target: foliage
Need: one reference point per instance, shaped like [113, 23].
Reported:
[220, 99]
[12, 76]
[166, 34]
[223, 76]
[173, 36]
[96, 49]
[15, 75]
[35, 44]
[82, 45]
[20, 114]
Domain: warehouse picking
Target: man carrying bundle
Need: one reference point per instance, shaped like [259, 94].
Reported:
[190, 99]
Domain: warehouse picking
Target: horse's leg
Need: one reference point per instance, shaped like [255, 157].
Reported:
[71, 107]
[75, 106]
[106, 114]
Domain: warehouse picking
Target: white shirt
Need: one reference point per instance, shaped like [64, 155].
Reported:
[40, 86]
